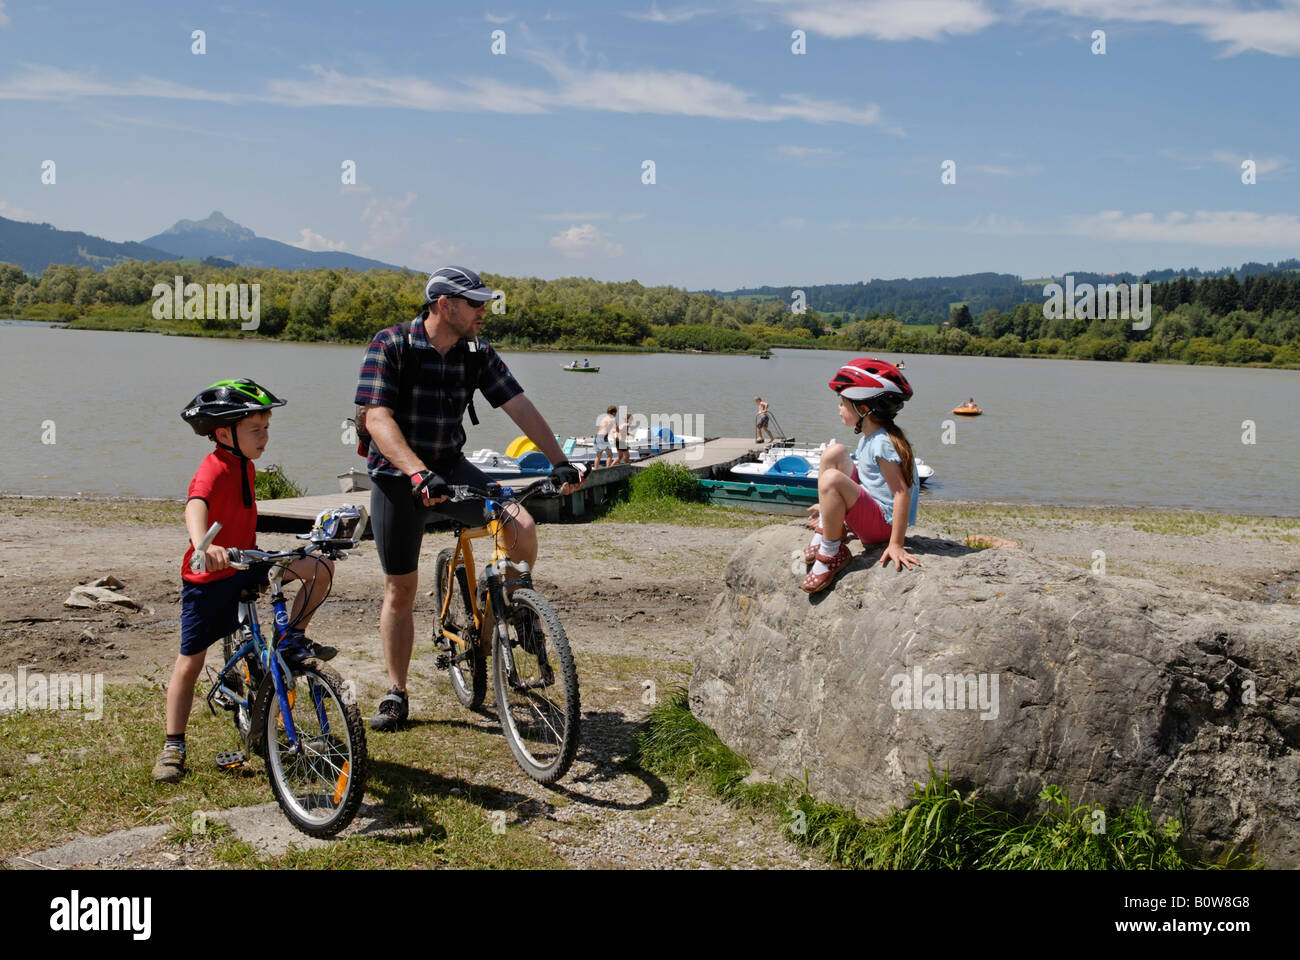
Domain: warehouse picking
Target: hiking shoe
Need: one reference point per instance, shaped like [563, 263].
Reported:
[393, 710]
[170, 765]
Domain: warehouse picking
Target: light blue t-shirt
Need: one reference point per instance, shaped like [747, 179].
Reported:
[875, 447]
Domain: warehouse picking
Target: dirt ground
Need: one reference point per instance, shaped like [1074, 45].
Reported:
[634, 599]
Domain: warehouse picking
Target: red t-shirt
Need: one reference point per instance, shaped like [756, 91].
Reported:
[217, 484]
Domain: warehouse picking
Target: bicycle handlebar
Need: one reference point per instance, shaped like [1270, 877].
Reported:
[463, 492]
[198, 559]
[242, 559]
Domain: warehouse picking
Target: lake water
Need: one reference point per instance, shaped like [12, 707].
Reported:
[1053, 431]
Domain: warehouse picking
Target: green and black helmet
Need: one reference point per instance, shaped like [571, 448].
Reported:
[225, 403]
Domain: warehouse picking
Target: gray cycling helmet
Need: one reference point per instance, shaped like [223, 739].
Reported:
[457, 282]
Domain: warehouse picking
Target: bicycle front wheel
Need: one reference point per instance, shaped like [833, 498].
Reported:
[245, 680]
[536, 688]
[319, 780]
[468, 673]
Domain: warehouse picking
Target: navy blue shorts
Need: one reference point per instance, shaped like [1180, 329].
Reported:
[210, 611]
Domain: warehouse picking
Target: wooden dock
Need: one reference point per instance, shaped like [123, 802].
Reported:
[708, 460]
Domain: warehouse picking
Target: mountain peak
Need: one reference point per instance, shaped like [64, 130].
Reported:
[216, 222]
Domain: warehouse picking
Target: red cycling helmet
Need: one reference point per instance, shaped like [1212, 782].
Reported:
[876, 383]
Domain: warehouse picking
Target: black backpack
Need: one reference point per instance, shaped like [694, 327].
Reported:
[407, 373]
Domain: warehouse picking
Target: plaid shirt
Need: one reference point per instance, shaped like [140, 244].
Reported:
[439, 396]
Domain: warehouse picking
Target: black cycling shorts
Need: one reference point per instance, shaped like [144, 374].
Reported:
[398, 522]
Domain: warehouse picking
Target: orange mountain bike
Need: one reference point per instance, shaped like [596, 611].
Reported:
[500, 613]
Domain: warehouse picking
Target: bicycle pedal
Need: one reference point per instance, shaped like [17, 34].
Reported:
[442, 661]
[231, 759]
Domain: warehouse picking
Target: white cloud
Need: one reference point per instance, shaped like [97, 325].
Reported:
[53, 83]
[15, 213]
[806, 153]
[308, 239]
[793, 223]
[495, 18]
[434, 253]
[4, 17]
[886, 19]
[1201, 227]
[1239, 27]
[659, 92]
[1001, 170]
[388, 220]
[110, 120]
[1225, 158]
[678, 15]
[578, 243]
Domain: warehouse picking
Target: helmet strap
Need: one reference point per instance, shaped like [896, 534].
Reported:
[861, 417]
[239, 454]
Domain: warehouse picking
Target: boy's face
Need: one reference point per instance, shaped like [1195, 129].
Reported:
[253, 433]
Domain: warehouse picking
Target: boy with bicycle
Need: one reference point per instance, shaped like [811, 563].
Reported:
[235, 415]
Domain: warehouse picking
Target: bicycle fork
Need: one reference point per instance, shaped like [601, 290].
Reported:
[494, 575]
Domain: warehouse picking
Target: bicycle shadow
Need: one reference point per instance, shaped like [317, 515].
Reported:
[606, 745]
[398, 787]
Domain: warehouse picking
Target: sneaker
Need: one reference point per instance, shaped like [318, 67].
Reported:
[392, 713]
[297, 647]
[170, 765]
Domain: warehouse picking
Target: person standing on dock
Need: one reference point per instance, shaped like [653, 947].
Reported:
[606, 433]
[760, 421]
[416, 436]
[625, 440]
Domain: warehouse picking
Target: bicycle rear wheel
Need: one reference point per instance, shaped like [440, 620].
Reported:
[468, 675]
[319, 782]
[537, 688]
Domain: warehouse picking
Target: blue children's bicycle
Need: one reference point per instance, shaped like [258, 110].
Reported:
[298, 715]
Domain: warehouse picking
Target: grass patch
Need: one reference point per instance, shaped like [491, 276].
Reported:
[668, 510]
[272, 484]
[938, 829]
[659, 481]
[670, 493]
[957, 516]
[439, 787]
[100, 511]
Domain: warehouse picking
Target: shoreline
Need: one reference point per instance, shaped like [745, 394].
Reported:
[755, 351]
[1105, 511]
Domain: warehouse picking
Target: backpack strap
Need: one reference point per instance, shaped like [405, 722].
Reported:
[409, 372]
[474, 371]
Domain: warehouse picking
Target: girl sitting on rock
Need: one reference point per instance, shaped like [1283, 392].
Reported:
[876, 499]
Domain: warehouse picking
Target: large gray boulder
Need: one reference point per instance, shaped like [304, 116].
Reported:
[1011, 672]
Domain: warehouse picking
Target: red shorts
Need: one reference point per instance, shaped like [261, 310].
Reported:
[866, 519]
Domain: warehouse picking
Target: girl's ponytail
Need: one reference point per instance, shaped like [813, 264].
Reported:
[904, 448]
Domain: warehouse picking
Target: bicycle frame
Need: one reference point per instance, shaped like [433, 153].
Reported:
[276, 666]
[492, 571]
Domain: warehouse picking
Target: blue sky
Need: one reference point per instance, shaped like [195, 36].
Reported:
[770, 167]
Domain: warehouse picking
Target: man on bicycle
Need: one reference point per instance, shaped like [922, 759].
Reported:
[415, 449]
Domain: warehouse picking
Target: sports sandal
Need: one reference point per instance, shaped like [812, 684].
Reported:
[392, 713]
[816, 582]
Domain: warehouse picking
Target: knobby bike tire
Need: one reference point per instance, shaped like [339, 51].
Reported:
[349, 783]
[469, 677]
[533, 729]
